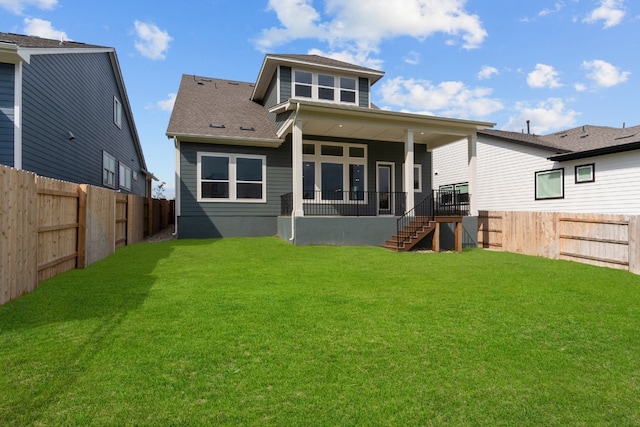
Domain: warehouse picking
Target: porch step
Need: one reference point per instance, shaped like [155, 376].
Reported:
[410, 236]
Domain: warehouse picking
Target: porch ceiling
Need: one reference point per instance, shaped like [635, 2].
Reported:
[380, 125]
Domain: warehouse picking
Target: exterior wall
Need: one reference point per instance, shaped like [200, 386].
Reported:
[285, 84]
[339, 231]
[65, 93]
[469, 234]
[363, 92]
[506, 180]
[450, 164]
[210, 219]
[7, 103]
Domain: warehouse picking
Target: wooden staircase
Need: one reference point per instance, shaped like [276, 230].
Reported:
[411, 234]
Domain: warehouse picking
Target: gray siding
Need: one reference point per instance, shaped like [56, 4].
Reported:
[7, 102]
[74, 93]
[363, 92]
[227, 217]
[285, 83]
[271, 99]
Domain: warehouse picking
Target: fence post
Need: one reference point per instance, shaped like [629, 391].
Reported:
[82, 227]
[634, 244]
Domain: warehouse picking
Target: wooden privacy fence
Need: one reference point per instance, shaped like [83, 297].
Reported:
[598, 239]
[48, 227]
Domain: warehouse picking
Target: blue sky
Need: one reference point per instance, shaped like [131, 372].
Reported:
[557, 63]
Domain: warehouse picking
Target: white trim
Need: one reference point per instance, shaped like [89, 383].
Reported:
[177, 175]
[393, 187]
[17, 116]
[232, 180]
[345, 160]
[117, 112]
[337, 88]
[26, 52]
[472, 170]
[409, 161]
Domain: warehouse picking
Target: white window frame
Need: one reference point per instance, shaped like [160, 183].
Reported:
[124, 176]
[108, 168]
[337, 87]
[233, 181]
[117, 112]
[592, 169]
[538, 174]
[345, 160]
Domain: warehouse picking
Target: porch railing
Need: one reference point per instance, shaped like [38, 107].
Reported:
[346, 203]
[439, 203]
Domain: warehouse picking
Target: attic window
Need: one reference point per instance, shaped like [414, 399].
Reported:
[250, 128]
[216, 125]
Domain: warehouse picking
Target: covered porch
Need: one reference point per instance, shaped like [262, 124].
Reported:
[356, 171]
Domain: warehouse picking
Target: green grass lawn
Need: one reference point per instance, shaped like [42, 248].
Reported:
[259, 332]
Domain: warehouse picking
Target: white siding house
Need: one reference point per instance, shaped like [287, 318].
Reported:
[608, 160]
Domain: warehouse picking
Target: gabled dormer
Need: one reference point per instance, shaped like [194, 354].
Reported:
[313, 78]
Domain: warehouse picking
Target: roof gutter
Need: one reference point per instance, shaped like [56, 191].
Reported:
[227, 140]
[596, 152]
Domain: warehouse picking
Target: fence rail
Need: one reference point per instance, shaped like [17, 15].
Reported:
[48, 227]
[598, 239]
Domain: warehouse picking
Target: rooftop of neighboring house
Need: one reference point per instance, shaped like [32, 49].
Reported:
[39, 42]
[578, 142]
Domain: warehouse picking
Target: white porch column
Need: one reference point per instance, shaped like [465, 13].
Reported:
[408, 170]
[472, 143]
[296, 150]
[17, 117]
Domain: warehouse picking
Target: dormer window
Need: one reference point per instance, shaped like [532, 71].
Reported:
[304, 83]
[324, 87]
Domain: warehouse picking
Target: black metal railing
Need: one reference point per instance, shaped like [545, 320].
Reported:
[346, 203]
[439, 203]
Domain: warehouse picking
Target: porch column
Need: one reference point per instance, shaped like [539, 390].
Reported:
[408, 169]
[472, 143]
[296, 150]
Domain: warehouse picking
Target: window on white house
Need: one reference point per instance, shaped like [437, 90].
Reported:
[550, 184]
[454, 193]
[585, 173]
[117, 112]
[333, 171]
[124, 176]
[224, 177]
[417, 178]
[326, 87]
[108, 169]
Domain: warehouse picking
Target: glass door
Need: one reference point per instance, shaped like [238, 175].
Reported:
[384, 187]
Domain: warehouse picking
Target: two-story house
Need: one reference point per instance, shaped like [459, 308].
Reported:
[301, 153]
[65, 114]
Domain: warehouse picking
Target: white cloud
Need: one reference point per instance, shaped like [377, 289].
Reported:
[152, 42]
[557, 8]
[487, 72]
[447, 98]
[545, 116]
[347, 27]
[610, 11]
[543, 76]
[165, 104]
[352, 56]
[412, 58]
[580, 87]
[604, 74]
[18, 6]
[44, 29]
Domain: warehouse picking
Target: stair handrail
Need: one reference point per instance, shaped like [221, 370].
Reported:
[414, 219]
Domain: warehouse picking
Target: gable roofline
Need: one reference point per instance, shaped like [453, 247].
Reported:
[596, 152]
[525, 139]
[272, 61]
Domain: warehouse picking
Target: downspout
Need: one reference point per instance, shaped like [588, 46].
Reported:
[176, 210]
[293, 206]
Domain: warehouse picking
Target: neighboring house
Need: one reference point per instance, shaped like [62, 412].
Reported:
[301, 153]
[587, 169]
[64, 114]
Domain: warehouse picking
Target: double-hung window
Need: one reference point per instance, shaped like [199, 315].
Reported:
[332, 171]
[108, 169]
[325, 87]
[225, 177]
[550, 184]
[124, 175]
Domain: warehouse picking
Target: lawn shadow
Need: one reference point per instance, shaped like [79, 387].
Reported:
[108, 288]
